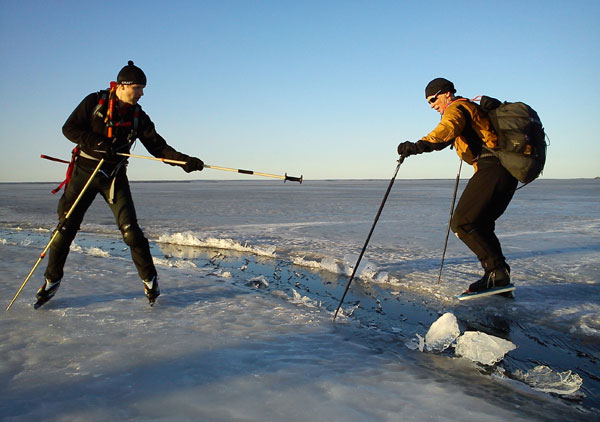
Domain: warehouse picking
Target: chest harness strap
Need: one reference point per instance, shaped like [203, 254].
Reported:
[110, 124]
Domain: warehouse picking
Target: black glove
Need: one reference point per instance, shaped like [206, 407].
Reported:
[193, 164]
[407, 148]
[108, 148]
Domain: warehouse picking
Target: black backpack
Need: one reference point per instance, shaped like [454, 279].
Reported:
[521, 138]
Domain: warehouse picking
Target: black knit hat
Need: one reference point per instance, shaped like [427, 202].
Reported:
[131, 75]
[439, 86]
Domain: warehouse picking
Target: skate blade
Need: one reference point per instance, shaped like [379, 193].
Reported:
[505, 291]
[39, 304]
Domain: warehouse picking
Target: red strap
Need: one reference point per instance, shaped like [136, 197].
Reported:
[478, 98]
[65, 182]
[111, 107]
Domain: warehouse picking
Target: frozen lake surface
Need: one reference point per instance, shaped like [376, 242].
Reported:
[251, 272]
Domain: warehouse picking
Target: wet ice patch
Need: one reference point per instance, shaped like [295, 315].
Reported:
[442, 333]
[482, 348]
[543, 378]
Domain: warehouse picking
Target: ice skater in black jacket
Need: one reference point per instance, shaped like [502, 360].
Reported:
[103, 125]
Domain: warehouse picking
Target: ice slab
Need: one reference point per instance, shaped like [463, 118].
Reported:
[483, 348]
[442, 333]
[543, 378]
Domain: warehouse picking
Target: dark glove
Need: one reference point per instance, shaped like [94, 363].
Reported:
[407, 148]
[193, 164]
[109, 149]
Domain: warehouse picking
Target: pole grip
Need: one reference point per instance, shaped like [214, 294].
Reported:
[292, 179]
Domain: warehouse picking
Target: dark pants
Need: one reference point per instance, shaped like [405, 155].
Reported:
[122, 208]
[483, 201]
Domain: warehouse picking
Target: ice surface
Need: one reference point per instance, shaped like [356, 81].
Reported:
[214, 348]
[207, 350]
[482, 348]
[442, 333]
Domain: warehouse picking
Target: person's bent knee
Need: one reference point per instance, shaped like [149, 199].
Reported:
[461, 230]
[63, 238]
[133, 235]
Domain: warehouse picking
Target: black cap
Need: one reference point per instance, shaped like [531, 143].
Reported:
[131, 75]
[439, 86]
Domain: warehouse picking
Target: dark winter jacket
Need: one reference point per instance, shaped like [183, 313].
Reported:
[86, 127]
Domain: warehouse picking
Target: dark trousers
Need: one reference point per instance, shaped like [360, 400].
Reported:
[123, 209]
[483, 201]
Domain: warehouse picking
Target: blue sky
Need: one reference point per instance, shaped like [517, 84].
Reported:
[326, 89]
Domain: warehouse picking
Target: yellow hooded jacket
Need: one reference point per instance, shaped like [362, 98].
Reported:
[466, 126]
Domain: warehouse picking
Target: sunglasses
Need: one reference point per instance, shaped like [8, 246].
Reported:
[434, 98]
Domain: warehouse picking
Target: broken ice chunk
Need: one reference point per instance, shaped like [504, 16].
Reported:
[442, 333]
[482, 348]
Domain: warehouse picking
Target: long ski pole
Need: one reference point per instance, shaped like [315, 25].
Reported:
[450, 221]
[250, 172]
[369, 236]
[56, 231]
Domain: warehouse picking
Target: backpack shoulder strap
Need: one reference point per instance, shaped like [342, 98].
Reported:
[475, 142]
[98, 110]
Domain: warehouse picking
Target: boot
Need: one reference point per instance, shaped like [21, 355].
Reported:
[151, 289]
[499, 277]
[46, 292]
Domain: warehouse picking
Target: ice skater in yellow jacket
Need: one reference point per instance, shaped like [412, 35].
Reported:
[487, 194]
